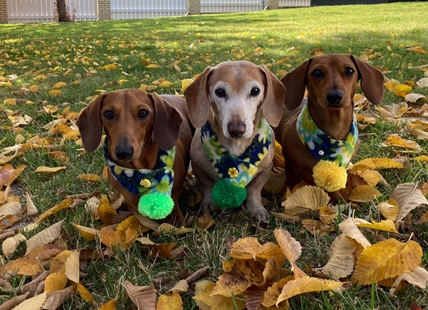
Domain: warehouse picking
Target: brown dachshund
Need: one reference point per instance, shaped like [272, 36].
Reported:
[139, 127]
[232, 105]
[330, 81]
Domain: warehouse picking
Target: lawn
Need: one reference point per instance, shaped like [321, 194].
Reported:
[49, 72]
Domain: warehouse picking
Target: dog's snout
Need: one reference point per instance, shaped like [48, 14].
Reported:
[124, 150]
[236, 128]
[335, 97]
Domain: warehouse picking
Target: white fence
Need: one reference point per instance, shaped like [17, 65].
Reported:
[31, 11]
[135, 9]
[36, 11]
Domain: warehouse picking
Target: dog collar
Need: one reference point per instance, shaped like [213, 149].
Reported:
[321, 146]
[235, 171]
[145, 181]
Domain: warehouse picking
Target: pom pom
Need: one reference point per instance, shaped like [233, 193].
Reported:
[155, 205]
[329, 175]
[227, 195]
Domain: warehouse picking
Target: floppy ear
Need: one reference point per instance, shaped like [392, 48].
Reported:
[295, 82]
[89, 123]
[197, 99]
[274, 97]
[167, 122]
[371, 81]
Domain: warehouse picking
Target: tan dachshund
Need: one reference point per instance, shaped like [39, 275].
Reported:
[232, 105]
[139, 127]
[330, 81]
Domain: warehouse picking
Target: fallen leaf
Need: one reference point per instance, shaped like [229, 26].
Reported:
[305, 199]
[169, 302]
[10, 245]
[49, 169]
[35, 302]
[56, 281]
[408, 197]
[44, 237]
[376, 164]
[144, 297]
[291, 249]
[418, 277]
[350, 229]
[364, 193]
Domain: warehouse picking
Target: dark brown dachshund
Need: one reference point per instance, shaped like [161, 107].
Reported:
[330, 81]
[139, 128]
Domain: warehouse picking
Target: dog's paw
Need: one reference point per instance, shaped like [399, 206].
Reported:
[259, 215]
[206, 205]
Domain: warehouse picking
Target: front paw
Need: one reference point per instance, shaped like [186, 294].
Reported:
[258, 213]
[206, 205]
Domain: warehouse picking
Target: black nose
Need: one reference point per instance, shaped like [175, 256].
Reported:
[124, 152]
[335, 97]
[236, 130]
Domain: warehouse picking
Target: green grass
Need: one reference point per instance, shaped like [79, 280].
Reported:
[74, 52]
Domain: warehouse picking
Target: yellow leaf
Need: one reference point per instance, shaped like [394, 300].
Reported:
[372, 177]
[386, 225]
[386, 259]
[401, 90]
[49, 169]
[395, 110]
[109, 237]
[84, 293]
[144, 87]
[122, 82]
[169, 302]
[390, 85]
[63, 205]
[166, 84]
[376, 163]
[306, 285]
[58, 262]
[273, 292]
[111, 305]
[416, 49]
[90, 177]
[205, 301]
[166, 228]
[153, 66]
[389, 209]
[23, 266]
[86, 232]
[364, 193]
[55, 281]
[34, 88]
[44, 237]
[185, 83]
[36, 302]
[304, 199]
[250, 248]
[10, 101]
[59, 85]
[54, 92]
[365, 119]
[181, 287]
[106, 211]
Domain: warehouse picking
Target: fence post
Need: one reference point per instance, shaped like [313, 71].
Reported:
[104, 9]
[273, 4]
[194, 6]
[3, 12]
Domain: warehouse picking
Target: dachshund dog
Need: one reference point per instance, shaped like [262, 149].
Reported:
[232, 105]
[328, 110]
[139, 127]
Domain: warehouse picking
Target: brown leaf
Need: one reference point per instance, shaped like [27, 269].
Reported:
[408, 197]
[55, 209]
[418, 277]
[8, 174]
[144, 297]
[305, 199]
[10, 244]
[44, 237]
[291, 249]
[109, 237]
[206, 301]
[56, 299]
[364, 193]
[32, 303]
[271, 296]
[250, 248]
[23, 266]
[350, 229]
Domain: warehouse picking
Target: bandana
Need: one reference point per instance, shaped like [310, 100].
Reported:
[145, 181]
[239, 171]
[321, 146]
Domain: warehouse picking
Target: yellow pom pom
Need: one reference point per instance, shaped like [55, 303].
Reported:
[329, 176]
[145, 183]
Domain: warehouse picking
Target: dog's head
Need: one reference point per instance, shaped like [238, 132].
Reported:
[132, 120]
[331, 81]
[235, 92]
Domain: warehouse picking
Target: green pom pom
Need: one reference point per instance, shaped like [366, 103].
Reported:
[226, 195]
[155, 205]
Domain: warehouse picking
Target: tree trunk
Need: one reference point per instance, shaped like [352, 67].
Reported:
[62, 10]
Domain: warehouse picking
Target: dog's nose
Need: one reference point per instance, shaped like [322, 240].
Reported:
[236, 129]
[335, 97]
[124, 152]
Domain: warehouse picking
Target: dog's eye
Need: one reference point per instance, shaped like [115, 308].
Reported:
[220, 92]
[109, 114]
[349, 71]
[255, 91]
[317, 74]
[142, 114]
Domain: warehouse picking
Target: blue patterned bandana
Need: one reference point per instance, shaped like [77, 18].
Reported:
[321, 145]
[145, 181]
[239, 171]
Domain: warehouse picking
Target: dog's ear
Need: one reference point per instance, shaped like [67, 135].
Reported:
[166, 127]
[89, 123]
[197, 99]
[371, 81]
[295, 83]
[273, 103]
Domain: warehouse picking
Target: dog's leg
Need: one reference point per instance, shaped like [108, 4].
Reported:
[206, 184]
[254, 196]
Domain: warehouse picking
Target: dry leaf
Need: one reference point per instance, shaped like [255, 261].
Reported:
[49, 169]
[389, 209]
[63, 205]
[397, 141]
[364, 193]
[376, 164]
[72, 267]
[144, 297]
[109, 237]
[35, 302]
[401, 90]
[10, 208]
[90, 177]
[350, 229]
[250, 248]
[291, 249]
[54, 282]
[386, 225]
[111, 305]
[423, 82]
[341, 258]
[23, 266]
[206, 301]
[10, 244]
[44, 237]
[418, 277]
[416, 49]
[84, 293]
[8, 174]
[86, 232]
[56, 299]
[416, 98]
[31, 208]
[179, 288]
[305, 199]
[386, 259]
[170, 302]
[408, 197]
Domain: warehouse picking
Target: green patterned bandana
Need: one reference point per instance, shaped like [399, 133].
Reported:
[145, 181]
[323, 147]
